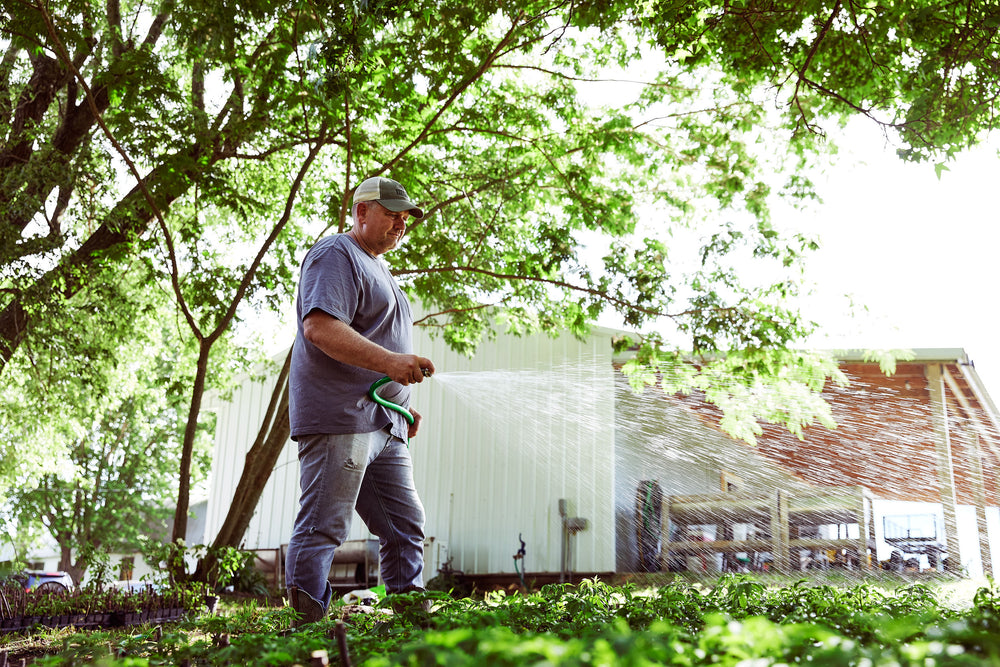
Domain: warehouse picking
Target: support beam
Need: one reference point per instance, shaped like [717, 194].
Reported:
[975, 439]
[975, 416]
[946, 474]
[779, 533]
[980, 496]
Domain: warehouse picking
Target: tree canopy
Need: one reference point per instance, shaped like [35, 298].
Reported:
[210, 143]
[104, 457]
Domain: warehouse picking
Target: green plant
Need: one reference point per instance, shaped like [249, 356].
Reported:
[168, 558]
[173, 558]
[97, 564]
[249, 579]
[737, 621]
[227, 561]
[13, 600]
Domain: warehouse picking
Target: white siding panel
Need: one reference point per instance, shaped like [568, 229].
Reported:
[505, 435]
[236, 428]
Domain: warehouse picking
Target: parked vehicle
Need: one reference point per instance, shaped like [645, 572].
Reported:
[46, 581]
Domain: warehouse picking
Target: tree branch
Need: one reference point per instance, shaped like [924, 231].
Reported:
[156, 27]
[6, 67]
[484, 66]
[114, 12]
[293, 192]
[582, 79]
[448, 311]
[47, 77]
[510, 277]
[814, 48]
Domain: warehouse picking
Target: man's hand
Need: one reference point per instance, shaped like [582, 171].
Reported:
[415, 426]
[408, 368]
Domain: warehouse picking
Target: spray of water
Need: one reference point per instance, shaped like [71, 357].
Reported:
[884, 437]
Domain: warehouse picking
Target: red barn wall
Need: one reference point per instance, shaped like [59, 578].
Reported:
[885, 438]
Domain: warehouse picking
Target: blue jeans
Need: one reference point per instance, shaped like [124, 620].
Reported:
[370, 472]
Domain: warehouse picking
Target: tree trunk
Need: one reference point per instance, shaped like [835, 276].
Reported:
[66, 563]
[187, 448]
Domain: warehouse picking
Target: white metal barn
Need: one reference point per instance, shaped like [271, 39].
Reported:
[534, 439]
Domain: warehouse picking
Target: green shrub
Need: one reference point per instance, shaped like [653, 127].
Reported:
[737, 622]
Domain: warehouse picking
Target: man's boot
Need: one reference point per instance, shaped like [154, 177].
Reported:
[306, 608]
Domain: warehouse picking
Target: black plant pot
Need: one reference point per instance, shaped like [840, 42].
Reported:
[10, 624]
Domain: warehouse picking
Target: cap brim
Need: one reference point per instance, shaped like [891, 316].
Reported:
[398, 205]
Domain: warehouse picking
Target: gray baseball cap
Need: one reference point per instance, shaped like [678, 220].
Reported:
[387, 192]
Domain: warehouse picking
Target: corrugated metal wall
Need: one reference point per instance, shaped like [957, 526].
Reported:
[506, 435]
[527, 422]
[236, 428]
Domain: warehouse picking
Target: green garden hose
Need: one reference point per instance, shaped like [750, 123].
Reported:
[388, 404]
[373, 394]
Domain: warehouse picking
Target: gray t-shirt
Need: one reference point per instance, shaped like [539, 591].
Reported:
[341, 279]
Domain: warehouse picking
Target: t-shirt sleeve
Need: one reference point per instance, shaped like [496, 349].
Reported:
[328, 283]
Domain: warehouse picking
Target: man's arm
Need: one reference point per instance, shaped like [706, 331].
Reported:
[339, 341]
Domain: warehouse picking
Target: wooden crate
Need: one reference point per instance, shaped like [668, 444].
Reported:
[780, 523]
[802, 513]
[724, 511]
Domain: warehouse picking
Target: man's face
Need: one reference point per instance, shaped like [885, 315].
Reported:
[379, 229]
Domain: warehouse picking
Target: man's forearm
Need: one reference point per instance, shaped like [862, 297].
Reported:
[339, 341]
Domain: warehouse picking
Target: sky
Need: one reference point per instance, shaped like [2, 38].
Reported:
[919, 252]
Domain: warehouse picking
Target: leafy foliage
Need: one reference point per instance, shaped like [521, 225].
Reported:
[106, 416]
[738, 621]
[922, 69]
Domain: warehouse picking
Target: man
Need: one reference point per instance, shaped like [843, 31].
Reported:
[354, 327]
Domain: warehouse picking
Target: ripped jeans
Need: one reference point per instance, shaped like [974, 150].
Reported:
[369, 472]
